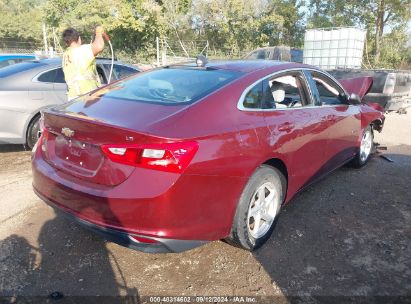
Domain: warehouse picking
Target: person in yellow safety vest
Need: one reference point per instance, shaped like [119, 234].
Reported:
[79, 62]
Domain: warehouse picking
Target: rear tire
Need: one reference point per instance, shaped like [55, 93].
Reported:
[32, 132]
[258, 209]
[365, 150]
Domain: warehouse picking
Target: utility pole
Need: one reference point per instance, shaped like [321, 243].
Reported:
[158, 51]
[45, 38]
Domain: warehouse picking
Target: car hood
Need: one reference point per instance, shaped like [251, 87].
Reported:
[359, 85]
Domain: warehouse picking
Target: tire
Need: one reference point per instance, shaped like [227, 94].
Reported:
[244, 233]
[365, 150]
[32, 132]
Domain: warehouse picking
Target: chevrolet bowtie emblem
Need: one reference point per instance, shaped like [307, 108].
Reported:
[67, 132]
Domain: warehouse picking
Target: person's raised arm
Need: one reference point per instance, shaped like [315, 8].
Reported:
[98, 44]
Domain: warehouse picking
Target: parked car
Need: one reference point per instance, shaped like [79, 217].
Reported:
[282, 53]
[182, 155]
[27, 88]
[10, 59]
[391, 88]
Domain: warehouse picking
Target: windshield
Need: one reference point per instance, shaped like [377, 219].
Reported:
[18, 68]
[170, 85]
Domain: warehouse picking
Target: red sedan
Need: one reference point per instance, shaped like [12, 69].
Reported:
[178, 156]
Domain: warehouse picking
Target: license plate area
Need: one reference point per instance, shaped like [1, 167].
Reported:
[83, 158]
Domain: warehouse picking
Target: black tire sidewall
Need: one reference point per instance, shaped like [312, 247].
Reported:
[240, 234]
[32, 132]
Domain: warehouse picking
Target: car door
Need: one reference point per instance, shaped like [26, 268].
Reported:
[298, 128]
[60, 86]
[344, 120]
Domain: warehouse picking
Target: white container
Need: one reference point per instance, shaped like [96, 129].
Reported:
[317, 53]
[334, 47]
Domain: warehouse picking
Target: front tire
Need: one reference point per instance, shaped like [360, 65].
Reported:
[32, 132]
[365, 149]
[258, 209]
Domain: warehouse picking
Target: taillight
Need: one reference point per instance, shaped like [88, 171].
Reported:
[41, 122]
[39, 132]
[170, 157]
[43, 141]
[41, 144]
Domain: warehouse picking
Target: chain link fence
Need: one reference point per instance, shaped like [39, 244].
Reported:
[174, 51]
[19, 47]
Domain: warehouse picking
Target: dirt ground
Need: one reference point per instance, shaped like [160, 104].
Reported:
[348, 235]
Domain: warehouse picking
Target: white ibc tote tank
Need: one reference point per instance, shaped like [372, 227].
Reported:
[332, 48]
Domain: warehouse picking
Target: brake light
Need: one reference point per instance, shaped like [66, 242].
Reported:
[43, 141]
[41, 122]
[170, 157]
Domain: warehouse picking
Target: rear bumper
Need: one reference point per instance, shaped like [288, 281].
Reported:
[178, 211]
[126, 239]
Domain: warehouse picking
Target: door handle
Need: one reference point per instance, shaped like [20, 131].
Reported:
[286, 126]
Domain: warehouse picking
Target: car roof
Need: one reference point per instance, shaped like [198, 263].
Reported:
[39, 65]
[28, 69]
[247, 66]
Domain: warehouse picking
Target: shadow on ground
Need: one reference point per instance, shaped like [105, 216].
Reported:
[66, 261]
[348, 240]
[346, 235]
[12, 148]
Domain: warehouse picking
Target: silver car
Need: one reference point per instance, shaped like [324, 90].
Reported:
[27, 88]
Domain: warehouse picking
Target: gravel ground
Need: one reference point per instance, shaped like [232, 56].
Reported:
[347, 235]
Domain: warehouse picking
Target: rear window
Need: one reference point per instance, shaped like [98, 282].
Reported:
[18, 68]
[171, 85]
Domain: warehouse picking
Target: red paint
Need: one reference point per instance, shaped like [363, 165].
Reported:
[199, 201]
[360, 85]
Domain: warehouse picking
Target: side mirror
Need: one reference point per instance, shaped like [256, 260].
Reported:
[354, 99]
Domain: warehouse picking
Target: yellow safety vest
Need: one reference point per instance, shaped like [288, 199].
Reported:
[80, 72]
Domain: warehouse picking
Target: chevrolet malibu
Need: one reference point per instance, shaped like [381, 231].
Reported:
[178, 156]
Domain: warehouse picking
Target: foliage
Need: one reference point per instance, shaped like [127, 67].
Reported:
[132, 25]
[394, 52]
[384, 20]
[242, 25]
[21, 20]
[231, 27]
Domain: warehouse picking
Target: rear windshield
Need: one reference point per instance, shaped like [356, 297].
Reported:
[18, 68]
[171, 85]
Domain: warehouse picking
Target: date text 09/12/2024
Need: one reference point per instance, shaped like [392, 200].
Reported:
[202, 299]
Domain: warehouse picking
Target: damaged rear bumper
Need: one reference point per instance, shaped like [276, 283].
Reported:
[151, 245]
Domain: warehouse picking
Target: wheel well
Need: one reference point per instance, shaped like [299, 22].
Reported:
[278, 164]
[29, 124]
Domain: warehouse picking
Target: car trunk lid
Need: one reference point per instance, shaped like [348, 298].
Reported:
[72, 143]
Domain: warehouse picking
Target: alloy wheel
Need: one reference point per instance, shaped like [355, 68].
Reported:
[366, 145]
[263, 209]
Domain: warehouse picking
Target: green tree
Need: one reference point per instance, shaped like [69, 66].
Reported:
[132, 24]
[21, 20]
[378, 17]
[389, 13]
[244, 25]
[292, 31]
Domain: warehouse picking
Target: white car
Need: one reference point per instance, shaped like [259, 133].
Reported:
[28, 87]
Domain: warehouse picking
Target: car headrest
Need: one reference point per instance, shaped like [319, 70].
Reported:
[278, 95]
